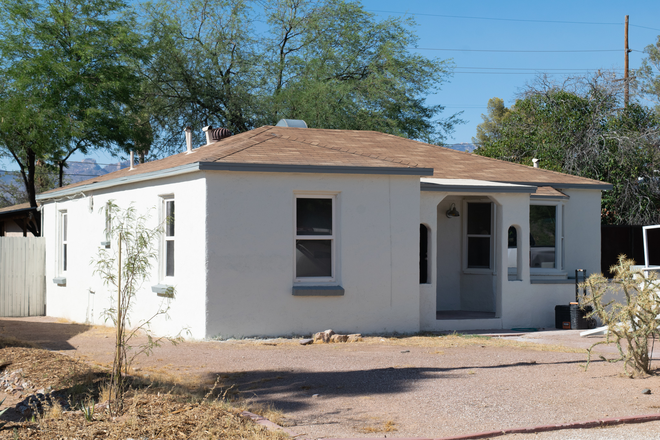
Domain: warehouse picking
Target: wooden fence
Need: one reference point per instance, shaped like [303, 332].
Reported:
[22, 276]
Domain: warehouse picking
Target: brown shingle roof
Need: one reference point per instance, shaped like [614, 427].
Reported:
[15, 207]
[307, 146]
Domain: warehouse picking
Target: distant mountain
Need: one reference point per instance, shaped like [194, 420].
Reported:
[88, 168]
[6, 177]
[465, 146]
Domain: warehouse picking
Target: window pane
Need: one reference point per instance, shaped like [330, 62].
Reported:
[64, 227]
[169, 221]
[169, 259]
[478, 221]
[542, 227]
[314, 216]
[479, 252]
[64, 257]
[513, 247]
[313, 258]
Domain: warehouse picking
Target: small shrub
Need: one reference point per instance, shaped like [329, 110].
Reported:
[632, 321]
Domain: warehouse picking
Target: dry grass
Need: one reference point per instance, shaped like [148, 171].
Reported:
[388, 426]
[10, 341]
[152, 409]
[455, 340]
[459, 341]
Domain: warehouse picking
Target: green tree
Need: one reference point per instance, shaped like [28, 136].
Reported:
[69, 76]
[648, 75]
[582, 128]
[330, 63]
[489, 130]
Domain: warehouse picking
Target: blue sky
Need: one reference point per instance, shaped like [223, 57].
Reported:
[502, 74]
[513, 26]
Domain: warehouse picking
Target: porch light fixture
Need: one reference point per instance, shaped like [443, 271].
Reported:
[452, 212]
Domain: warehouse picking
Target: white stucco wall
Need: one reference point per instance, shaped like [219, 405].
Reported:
[251, 254]
[86, 232]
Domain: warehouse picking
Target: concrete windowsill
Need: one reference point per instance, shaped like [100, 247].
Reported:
[317, 291]
[547, 281]
[60, 281]
[163, 290]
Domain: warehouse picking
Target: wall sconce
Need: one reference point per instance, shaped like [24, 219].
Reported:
[452, 212]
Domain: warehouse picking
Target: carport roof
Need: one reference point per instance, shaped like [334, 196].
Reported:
[309, 150]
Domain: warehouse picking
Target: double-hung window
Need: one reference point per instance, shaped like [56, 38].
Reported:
[167, 255]
[545, 236]
[479, 236]
[315, 238]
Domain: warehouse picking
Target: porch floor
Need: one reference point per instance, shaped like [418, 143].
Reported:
[463, 314]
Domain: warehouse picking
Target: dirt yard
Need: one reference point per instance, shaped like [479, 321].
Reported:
[395, 387]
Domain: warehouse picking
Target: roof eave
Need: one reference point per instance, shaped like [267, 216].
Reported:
[325, 169]
[230, 166]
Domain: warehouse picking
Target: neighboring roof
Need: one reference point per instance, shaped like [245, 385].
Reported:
[548, 192]
[15, 208]
[471, 185]
[347, 151]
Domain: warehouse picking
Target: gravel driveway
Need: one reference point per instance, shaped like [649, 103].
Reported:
[391, 388]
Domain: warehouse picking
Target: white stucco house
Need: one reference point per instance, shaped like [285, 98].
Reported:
[285, 230]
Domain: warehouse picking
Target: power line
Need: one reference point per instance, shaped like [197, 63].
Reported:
[528, 68]
[523, 20]
[516, 51]
[519, 73]
[644, 27]
[497, 19]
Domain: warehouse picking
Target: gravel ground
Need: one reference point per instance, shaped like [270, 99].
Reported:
[388, 388]
[644, 431]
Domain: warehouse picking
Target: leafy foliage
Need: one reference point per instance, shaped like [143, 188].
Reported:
[68, 80]
[633, 321]
[581, 128]
[488, 131]
[242, 64]
[648, 75]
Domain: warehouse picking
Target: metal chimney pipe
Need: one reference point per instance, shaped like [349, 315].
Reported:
[535, 162]
[188, 132]
[207, 131]
[132, 159]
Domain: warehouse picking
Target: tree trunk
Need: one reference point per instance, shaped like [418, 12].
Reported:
[61, 164]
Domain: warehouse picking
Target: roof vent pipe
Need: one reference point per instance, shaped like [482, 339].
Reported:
[207, 132]
[132, 159]
[188, 132]
[535, 162]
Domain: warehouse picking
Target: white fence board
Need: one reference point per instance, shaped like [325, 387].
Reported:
[22, 276]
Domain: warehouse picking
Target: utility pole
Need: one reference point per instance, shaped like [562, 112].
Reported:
[626, 85]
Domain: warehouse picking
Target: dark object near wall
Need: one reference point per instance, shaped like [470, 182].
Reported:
[572, 317]
[627, 240]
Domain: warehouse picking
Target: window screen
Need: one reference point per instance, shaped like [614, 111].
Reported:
[313, 253]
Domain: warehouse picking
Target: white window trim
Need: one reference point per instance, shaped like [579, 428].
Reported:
[333, 239]
[62, 214]
[473, 270]
[163, 241]
[558, 270]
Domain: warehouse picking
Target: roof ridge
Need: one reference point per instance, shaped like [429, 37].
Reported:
[350, 151]
[238, 148]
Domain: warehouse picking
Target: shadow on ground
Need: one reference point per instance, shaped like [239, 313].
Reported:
[291, 390]
[48, 335]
